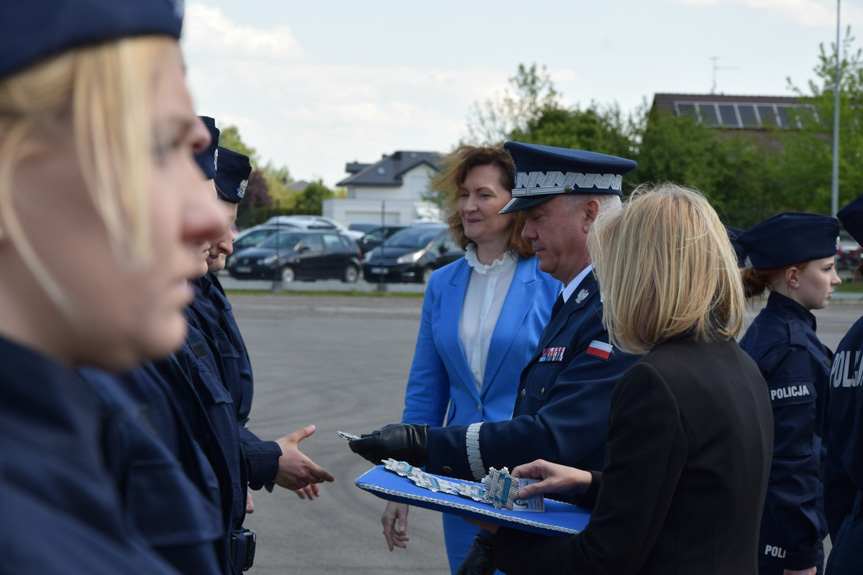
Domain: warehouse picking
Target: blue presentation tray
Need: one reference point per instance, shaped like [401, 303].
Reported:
[557, 519]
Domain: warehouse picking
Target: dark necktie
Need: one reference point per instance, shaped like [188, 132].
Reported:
[558, 303]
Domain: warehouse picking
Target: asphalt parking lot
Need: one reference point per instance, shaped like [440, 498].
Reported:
[341, 363]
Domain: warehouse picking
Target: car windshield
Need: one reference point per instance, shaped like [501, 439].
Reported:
[282, 241]
[413, 237]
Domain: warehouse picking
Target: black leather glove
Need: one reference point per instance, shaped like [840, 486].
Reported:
[480, 558]
[400, 441]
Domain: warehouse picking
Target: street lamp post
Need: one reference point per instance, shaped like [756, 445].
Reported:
[834, 197]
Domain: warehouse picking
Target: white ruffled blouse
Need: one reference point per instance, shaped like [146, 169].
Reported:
[483, 301]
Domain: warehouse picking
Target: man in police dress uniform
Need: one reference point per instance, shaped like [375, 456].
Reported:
[561, 410]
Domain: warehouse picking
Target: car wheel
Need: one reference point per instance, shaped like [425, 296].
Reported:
[425, 275]
[288, 274]
[351, 275]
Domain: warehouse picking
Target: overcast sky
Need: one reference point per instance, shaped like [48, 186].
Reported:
[314, 85]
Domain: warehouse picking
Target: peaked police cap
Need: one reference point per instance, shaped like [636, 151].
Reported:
[543, 172]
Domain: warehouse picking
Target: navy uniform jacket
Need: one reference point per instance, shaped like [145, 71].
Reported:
[193, 369]
[60, 511]
[689, 445]
[561, 410]
[844, 473]
[178, 516]
[796, 365]
[213, 311]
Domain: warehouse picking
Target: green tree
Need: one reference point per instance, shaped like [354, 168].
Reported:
[530, 94]
[311, 200]
[807, 162]
[230, 138]
[598, 129]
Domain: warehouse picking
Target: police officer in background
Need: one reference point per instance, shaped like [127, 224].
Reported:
[791, 254]
[562, 404]
[265, 462]
[843, 476]
[205, 369]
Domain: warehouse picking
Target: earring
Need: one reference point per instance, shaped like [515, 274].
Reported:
[797, 284]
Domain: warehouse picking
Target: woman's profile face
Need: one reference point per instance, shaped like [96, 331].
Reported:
[120, 314]
[815, 284]
[482, 196]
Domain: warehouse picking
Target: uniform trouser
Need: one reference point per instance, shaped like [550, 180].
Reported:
[846, 557]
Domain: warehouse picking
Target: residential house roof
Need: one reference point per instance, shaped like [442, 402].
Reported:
[388, 170]
[741, 112]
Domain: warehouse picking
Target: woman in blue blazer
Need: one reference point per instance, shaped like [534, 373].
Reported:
[481, 319]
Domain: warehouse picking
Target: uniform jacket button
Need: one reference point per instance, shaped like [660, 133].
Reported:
[542, 391]
[447, 470]
[523, 393]
[479, 406]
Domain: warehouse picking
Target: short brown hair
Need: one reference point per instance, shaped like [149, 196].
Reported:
[666, 268]
[454, 171]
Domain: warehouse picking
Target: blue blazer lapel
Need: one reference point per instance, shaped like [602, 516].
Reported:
[518, 302]
[451, 301]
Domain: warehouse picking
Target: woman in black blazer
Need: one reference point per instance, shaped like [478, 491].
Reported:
[690, 430]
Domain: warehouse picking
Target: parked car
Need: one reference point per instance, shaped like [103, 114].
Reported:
[315, 223]
[363, 227]
[411, 255]
[254, 236]
[848, 253]
[301, 255]
[376, 235]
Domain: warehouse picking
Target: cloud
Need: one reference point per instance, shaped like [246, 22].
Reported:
[208, 30]
[315, 116]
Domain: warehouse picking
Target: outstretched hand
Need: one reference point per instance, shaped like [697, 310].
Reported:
[296, 470]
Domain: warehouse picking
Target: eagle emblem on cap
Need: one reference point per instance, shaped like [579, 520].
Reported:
[241, 190]
[581, 295]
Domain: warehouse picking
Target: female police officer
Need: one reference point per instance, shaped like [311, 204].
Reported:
[791, 254]
[97, 132]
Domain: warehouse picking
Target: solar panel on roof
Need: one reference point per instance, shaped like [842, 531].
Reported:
[707, 112]
[768, 116]
[728, 116]
[685, 109]
[747, 115]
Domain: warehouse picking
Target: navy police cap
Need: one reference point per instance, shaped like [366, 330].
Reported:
[542, 172]
[208, 159]
[739, 251]
[790, 238]
[33, 30]
[232, 177]
[851, 217]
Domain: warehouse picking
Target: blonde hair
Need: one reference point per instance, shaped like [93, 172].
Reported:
[666, 268]
[103, 94]
[454, 171]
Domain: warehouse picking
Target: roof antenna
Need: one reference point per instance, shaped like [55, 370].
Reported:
[715, 68]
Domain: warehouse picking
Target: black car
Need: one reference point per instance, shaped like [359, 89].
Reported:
[375, 236]
[254, 236]
[411, 255]
[299, 254]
